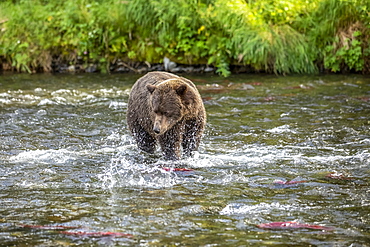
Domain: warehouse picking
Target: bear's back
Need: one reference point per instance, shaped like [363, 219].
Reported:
[158, 77]
[154, 78]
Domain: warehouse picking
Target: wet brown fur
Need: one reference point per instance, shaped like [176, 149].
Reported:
[166, 109]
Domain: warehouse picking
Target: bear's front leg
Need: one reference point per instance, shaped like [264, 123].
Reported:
[143, 139]
[192, 136]
[170, 143]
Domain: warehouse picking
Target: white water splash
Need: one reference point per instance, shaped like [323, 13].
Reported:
[261, 208]
[124, 173]
[49, 156]
[282, 129]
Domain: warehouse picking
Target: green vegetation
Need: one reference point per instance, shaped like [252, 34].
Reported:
[274, 36]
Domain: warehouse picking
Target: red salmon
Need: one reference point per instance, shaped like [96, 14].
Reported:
[168, 169]
[98, 234]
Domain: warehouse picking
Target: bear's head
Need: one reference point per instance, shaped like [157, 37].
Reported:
[170, 102]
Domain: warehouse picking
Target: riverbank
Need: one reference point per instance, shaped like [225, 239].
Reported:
[281, 37]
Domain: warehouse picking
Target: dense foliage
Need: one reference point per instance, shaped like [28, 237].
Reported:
[279, 36]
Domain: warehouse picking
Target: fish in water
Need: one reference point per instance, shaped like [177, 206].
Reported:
[168, 169]
[97, 234]
[292, 225]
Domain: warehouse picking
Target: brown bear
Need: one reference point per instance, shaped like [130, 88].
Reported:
[166, 109]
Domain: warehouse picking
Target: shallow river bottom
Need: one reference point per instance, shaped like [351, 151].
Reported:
[276, 149]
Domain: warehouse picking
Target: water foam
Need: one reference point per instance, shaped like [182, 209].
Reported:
[261, 208]
[282, 129]
[49, 156]
[122, 172]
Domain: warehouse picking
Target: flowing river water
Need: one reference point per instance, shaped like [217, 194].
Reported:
[276, 149]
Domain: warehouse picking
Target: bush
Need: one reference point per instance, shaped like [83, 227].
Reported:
[281, 37]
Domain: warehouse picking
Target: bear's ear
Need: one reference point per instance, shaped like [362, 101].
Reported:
[151, 88]
[181, 89]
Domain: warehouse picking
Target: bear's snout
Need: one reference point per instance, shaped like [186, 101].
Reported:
[157, 129]
[161, 124]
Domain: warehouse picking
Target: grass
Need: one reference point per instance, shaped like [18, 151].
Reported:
[281, 37]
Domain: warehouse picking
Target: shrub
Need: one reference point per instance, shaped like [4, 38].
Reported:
[282, 37]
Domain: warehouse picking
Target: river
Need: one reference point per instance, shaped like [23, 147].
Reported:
[275, 149]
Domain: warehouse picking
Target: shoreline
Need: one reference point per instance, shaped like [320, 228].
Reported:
[121, 67]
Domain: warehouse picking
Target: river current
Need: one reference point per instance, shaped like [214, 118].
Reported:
[275, 149]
